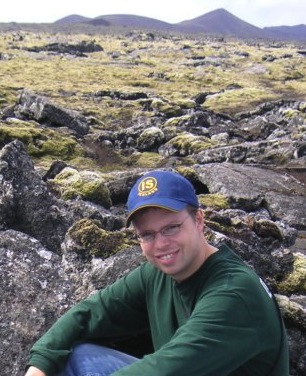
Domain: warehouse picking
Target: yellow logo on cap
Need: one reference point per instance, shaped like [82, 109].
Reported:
[147, 186]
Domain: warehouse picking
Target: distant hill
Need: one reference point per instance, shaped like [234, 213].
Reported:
[221, 22]
[297, 32]
[74, 18]
[134, 21]
[217, 22]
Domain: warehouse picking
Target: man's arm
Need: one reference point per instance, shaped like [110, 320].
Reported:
[111, 314]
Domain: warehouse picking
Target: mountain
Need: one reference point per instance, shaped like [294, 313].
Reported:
[297, 32]
[127, 20]
[73, 18]
[220, 21]
[217, 22]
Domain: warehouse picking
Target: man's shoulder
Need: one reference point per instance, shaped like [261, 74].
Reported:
[229, 269]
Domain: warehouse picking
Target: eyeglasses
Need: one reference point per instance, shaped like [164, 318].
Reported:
[170, 230]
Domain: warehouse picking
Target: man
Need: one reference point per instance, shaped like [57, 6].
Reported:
[208, 313]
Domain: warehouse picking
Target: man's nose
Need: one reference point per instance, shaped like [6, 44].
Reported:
[160, 239]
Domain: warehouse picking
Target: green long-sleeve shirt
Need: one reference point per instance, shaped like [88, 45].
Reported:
[221, 321]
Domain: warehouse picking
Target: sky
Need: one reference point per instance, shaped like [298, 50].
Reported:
[259, 13]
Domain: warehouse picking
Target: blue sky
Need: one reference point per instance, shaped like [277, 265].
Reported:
[257, 12]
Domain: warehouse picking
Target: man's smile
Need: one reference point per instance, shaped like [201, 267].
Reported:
[167, 257]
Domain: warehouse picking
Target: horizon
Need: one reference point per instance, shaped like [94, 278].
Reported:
[258, 13]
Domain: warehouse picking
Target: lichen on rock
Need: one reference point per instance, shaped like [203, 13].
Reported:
[185, 144]
[217, 201]
[87, 235]
[71, 183]
[295, 282]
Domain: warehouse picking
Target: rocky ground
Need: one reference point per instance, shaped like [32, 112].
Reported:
[62, 233]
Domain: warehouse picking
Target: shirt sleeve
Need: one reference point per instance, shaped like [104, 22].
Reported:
[217, 339]
[111, 314]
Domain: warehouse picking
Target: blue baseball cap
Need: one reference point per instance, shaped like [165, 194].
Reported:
[162, 189]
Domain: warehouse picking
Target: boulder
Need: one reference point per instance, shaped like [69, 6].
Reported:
[26, 204]
[70, 183]
[249, 175]
[35, 291]
[40, 109]
[252, 187]
[78, 49]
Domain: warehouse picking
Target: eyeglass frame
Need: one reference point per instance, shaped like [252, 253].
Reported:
[176, 227]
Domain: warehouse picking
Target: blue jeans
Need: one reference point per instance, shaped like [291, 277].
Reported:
[88, 359]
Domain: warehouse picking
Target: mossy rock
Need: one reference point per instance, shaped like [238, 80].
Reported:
[187, 171]
[90, 186]
[295, 282]
[145, 160]
[19, 130]
[233, 101]
[302, 106]
[89, 236]
[291, 113]
[176, 121]
[292, 311]
[266, 228]
[215, 201]
[40, 142]
[170, 110]
[186, 103]
[149, 138]
[188, 143]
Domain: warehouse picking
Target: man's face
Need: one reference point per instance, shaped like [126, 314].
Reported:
[173, 242]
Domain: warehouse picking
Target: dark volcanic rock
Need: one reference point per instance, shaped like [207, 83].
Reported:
[38, 108]
[34, 292]
[249, 174]
[79, 49]
[25, 202]
[252, 187]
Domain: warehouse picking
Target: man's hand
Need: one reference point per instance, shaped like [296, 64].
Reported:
[33, 371]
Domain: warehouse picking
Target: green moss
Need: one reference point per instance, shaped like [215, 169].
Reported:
[146, 160]
[302, 106]
[295, 282]
[220, 227]
[40, 142]
[291, 113]
[7, 95]
[90, 236]
[143, 84]
[168, 109]
[188, 143]
[186, 103]
[70, 184]
[22, 132]
[164, 69]
[180, 79]
[149, 137]
[239, 100]
[188, 172]
[59, 147]
[215, 201]
[176, 121]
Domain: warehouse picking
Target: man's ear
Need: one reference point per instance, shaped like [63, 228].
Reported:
[200, 219]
